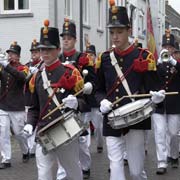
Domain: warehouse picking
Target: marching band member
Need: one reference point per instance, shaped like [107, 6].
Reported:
[82, 62]
[139, 75]
[63, 81]
[167, 115]
[97, 118]
[34, 65]
[12, 106]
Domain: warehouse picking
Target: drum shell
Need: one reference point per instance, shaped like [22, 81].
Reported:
[141, 111]
[62, 131]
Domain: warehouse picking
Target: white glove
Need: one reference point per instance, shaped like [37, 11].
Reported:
[28, 130]
[157, 96]
[105, 106]
[172, 61]
[33, 70]
[87, 88]
[3, 60]
[70, 101]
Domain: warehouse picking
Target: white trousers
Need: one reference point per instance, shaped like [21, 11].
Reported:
[164, 124]
[97, 121]
[134, 141]
[67, 155]
[15, 120]
[84, 143]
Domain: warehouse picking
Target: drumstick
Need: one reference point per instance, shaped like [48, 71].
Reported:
[140, 95]
[85, 73]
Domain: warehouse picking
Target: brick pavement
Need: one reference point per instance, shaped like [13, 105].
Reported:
[21, 171]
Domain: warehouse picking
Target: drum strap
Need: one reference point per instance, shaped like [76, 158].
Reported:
[48, 88]
[120, 73]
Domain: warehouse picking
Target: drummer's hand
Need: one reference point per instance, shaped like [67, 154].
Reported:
[71, 102]
[28, 130]
[157, 96]
[87, 88]
[105, 106]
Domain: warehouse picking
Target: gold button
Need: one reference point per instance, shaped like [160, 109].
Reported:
[167, 77]
[49, 117]
[117, 97]
[118, 82]
[166, 82]
[121, 60]
[117, 90]
[166, 88]
[49, 110]
[167, 66]
[7, 86]
[167, 71]
[49, 103]
[49, 74]
[117, 105]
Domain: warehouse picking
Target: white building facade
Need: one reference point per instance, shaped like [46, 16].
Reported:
[21, 20]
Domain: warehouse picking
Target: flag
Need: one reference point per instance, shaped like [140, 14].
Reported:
[151, 44]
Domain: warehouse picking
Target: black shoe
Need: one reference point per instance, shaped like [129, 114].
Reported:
[174, 163]
[25, 158]
[86, 174]
[5, 165]
[32, 155]
[161, 171]
[99, 149]
[125, 162]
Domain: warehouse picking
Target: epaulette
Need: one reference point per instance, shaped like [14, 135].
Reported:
[79, 81]
[76, 76]
[151, 60]
[23, 68]
[32, 83]
[98, 61]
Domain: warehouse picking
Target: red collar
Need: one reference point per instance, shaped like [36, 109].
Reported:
[36, 62]
[125, 52]
[53, 66]
[69, 53]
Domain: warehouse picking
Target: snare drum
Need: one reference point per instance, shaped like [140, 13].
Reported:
[60, 132]
[131, 113]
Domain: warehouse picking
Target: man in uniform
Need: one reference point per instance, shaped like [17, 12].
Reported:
[83, 62]
[167, 115]
[139, 76]
[12, 106]
[62, 81]
[96, 116]
[34, 65]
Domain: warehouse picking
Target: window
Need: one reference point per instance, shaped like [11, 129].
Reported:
[68, 8]
[100, 7]
[85, 12]
[15, 6]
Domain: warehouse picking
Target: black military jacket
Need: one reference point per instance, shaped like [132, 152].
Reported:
[42, 104]
[74, 58]
[12, 80]
[139, 82]
[170, 82]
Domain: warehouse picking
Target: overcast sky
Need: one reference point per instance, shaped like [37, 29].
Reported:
[175, 4]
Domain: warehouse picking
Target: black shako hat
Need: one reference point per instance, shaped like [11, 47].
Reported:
[69, 28]
[91, 49]
[49, 37]
[34, 45]
[15, 48]
[118, 16]
[168, 39]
